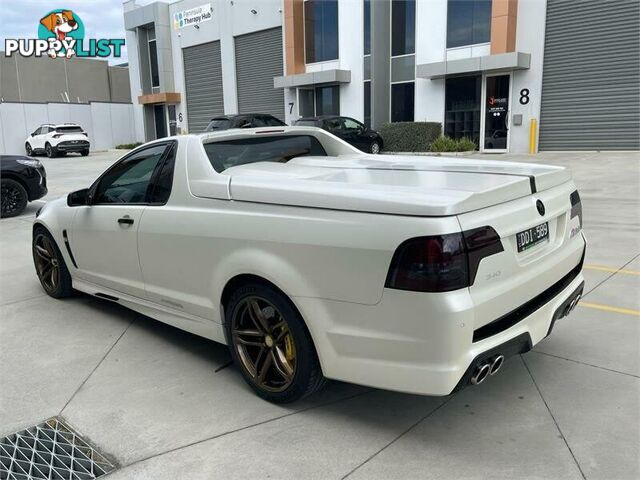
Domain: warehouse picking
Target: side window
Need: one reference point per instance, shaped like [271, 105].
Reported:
[50, 129]
[163, 181]
[351, 125]
[258, 121]
[128, 180]
[39, 131]
[333, 125]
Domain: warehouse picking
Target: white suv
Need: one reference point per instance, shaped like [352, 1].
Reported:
[58, 139]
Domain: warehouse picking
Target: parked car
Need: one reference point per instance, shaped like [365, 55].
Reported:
[312, 260]
[348, 129]
[54, 140]
[22, 180]
[247, 120]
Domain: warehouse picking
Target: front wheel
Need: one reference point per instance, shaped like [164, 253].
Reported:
[271, 345]
[374, 147]
[14, 198]
[51, 269]
[85, 152]
[28, 149]
[49, 150]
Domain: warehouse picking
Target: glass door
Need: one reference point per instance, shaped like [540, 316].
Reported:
[160, 120]
[497, 91]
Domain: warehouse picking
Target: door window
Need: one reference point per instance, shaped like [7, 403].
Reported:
[351, 125]
[496, 112]
[127, 181]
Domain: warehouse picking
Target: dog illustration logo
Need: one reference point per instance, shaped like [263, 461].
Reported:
[60, 23]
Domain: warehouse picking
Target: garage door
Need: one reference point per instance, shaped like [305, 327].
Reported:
[203, 84]
[258, 60]
[590, 94]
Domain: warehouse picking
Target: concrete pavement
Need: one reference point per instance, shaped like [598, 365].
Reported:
[165, 404]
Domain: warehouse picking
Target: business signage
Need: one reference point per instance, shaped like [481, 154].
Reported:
[192, 16]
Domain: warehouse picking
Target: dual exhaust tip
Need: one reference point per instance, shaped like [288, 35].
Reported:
[572, 305]
[490, 367]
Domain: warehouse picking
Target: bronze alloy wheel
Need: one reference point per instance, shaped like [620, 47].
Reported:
[264, 344]
[47, 263]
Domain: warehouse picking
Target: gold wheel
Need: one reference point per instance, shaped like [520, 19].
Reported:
[47, 263]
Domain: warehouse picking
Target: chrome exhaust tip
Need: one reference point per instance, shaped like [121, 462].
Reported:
[496, 364]
[480, 375]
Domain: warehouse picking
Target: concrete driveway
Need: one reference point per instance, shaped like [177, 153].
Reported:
[165, 404]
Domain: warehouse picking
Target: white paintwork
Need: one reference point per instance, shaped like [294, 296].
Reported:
[39, 142]
[175, 261]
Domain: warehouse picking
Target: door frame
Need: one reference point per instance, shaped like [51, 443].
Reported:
[483, 111]
[165, 115]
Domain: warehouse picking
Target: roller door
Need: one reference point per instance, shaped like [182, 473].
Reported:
[203, 84]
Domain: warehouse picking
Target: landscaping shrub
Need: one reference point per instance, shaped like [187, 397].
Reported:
[465, 144]
[443, 144]
[128, 146]
[409, 136]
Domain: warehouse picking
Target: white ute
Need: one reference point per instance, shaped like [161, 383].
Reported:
[312, 260]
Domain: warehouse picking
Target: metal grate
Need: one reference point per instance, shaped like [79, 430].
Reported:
[52, 451]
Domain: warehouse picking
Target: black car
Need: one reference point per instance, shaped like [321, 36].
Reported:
[348, 129]
[23, 180]
[245, 120]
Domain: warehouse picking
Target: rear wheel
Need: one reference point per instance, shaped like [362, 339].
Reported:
[28, 149]
[271, 345]
[85, 152]
[14, 198]
[375, 147]
[49, 150]
[50, 266]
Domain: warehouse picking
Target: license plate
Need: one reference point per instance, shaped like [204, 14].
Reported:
[532, 236]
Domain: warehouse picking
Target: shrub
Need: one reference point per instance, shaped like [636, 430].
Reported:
[465, 144]
[128, 146]
[444, 144]
[409, 136]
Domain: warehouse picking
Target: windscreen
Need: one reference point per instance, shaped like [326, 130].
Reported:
[70, 129]
[306, 123]
[230, 153]
[219, 124]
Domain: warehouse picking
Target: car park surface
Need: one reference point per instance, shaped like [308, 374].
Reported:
[165, 404]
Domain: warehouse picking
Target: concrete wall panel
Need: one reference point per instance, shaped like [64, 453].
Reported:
[59, 113]
[35, 114]
[14, 129]
[102, 134]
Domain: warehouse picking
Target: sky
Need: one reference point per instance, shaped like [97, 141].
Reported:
[102, 18]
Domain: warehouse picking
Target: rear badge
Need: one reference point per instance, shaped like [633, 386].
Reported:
[540, 207]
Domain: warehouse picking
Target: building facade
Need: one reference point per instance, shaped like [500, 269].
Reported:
[512, 75]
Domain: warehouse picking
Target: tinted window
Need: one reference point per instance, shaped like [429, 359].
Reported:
[307, 103]
[270, 121]
[462, 107]
[306, 123]
[350, 124]
[127, 181]
[321, 30]
[332, 125]
[231, 153]
[162, 182]
[403, 27]
[219, 124]
[468, 22]
[153, 59]
[328, 100]
[367, 103]
[402, 97]
[367, 27]
[70, 129]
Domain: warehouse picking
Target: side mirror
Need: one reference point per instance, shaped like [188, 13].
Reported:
[79, 198]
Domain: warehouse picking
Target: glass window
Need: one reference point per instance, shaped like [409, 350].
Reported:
[367, 104]
[367, 27]
[332, 125]
[269, 121]
[231, 153]
[402, 101]
[69, 129]
[328, 100]
[307, 102]
[462, 107]
[161, 121]
[128, 180]
[306, 123]
[218, 124]
[164, 180]
[351, 124]
[321, 30]
[403, 27]
[468, 22]
[153, 60]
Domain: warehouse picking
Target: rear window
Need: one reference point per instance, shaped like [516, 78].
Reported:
[70, 129]
[306, 123]
[281, 149]
[219, 124]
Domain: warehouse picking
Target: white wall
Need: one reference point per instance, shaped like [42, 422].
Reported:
[351, 54]
[108, 124]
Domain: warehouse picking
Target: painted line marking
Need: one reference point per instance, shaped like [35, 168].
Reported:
[607, 308]
[604, 268]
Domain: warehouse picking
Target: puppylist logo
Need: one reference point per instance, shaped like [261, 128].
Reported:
[61, 34]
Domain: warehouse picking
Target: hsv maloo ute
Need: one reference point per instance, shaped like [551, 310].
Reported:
[312, 260]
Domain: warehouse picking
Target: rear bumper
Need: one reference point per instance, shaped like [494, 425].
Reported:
[424, 343]
[72, 146]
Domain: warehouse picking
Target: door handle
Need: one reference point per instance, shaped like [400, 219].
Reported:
[125, 220]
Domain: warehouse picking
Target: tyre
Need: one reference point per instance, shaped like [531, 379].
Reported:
[49, 150]
[271, 344]
[14, 198]
[28, 149]
[50, 266]
[374, 147]
[84, 153]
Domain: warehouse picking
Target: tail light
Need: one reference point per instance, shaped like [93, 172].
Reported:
[85, 134]
[430, 264]
[576, 206]
[441, 263]
[57, 135]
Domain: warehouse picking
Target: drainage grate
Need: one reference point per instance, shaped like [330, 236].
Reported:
[52, 451]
